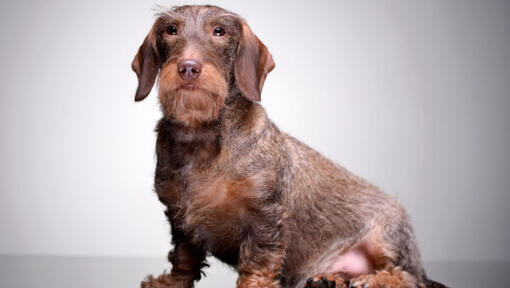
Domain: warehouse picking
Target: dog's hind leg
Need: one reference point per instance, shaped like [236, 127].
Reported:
[379, 260]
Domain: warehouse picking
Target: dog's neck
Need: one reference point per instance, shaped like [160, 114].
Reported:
[200, 144]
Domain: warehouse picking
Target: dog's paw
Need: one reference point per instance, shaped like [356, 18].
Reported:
[324, 281]
[394, 278]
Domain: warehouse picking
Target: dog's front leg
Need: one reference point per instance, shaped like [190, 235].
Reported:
[187, 262]
[260, 259]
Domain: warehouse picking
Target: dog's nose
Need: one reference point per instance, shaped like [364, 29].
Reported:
[189, 69]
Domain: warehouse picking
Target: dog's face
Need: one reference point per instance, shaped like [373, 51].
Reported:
[201, 54]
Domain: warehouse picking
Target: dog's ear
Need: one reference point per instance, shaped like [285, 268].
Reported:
[146, 65]
[252, 63]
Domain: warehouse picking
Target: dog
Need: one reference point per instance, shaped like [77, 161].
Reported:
[238, 188]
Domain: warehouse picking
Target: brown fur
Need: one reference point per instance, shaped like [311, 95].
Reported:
[389, 278]
[192, 107]
[238, 188]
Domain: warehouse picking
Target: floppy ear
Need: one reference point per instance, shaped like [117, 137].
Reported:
[146, 66]
[252, 63]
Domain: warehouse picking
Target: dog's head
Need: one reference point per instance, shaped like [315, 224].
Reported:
[201, 53]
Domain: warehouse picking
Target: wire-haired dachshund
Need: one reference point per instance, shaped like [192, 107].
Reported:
[238, 188]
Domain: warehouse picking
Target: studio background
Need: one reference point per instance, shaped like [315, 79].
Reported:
[414, 96]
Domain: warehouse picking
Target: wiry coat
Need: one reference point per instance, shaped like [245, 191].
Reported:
[238, 188]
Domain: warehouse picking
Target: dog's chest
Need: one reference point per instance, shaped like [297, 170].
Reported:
[215, 208]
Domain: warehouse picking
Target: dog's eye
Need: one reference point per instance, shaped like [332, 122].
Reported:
[172, 30]
[218, 31]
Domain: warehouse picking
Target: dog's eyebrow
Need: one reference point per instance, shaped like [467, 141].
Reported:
[226, 19]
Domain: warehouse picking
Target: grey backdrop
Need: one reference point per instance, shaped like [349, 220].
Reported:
[412, 95]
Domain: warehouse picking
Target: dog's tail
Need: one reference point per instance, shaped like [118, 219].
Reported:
[433, 284]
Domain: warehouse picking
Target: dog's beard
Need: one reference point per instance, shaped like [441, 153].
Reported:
[195, 106]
